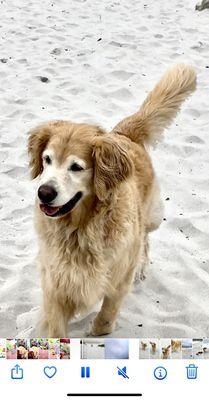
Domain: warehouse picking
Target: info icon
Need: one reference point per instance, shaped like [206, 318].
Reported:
[160, 373]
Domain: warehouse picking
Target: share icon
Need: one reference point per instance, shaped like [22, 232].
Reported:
[122, 372]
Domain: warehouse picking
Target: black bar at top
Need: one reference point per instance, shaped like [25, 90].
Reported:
[105, 394]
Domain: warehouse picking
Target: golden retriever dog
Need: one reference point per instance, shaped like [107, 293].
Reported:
[154, 347]
[166, 352]
[143, 345]
[175, 345]
[97, 201]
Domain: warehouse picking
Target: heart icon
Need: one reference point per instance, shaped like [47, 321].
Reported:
[50, 371]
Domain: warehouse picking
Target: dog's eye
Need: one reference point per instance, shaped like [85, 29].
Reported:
[76, 167]
[47, 159]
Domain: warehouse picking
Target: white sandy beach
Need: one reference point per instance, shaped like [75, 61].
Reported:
[101, 59]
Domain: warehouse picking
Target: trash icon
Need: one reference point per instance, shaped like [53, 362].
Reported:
[191, 371]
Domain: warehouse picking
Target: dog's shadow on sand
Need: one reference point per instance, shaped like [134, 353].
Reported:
[82, 325]
[81, 328]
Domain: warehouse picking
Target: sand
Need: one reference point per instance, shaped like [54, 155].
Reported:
[101, 59]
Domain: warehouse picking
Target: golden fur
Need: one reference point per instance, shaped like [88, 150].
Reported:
[93, 252]
[175, 345]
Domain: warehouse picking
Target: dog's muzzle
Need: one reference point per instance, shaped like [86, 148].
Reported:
[51, 211]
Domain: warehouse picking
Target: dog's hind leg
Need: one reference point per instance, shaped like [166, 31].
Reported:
[143, 260]
[154, 216]
[155, 208]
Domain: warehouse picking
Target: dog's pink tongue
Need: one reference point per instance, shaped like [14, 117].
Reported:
[49, 210]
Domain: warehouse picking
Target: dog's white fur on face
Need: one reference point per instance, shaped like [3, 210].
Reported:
[66, 182]
[93, 219]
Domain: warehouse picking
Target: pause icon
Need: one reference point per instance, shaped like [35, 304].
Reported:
[85, 372]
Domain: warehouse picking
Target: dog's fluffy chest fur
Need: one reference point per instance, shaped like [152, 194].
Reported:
[80, 265]
[74, 271]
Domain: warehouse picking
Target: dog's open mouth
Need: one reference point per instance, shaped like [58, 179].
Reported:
[51, 211]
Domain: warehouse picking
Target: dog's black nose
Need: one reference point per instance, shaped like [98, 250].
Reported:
[47, 193]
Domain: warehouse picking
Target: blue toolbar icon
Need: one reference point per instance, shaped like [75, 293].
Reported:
[85, 372]
[17, 372]
[191, 371]
[50, 371]
[160, 373]
[122, 372]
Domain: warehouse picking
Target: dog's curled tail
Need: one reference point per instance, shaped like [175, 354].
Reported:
[160, 107]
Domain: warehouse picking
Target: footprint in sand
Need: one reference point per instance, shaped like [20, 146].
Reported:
[143, 29]
[56, 51]
[3, 155]
[5, 274]
[191, 30]
[21, 101]
[175, 55]
[121, 94]
[194, 139]
[193, 112]
[21, 212]
[122, 75]
[67, 61]
[16, 172]
[158, 36]
[189, 150]
[28, 116]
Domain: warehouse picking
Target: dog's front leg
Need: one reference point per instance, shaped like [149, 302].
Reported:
[105, 320]
[57, 322]
[55, 317]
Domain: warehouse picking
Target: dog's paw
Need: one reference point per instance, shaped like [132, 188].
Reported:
[139, 276]
[142, 276]
[87, 333]
[100, 328]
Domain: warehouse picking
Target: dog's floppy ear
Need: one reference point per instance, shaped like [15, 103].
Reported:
[37, 141]
[112, 164]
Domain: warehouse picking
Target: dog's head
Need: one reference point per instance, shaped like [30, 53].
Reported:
[74, 161]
